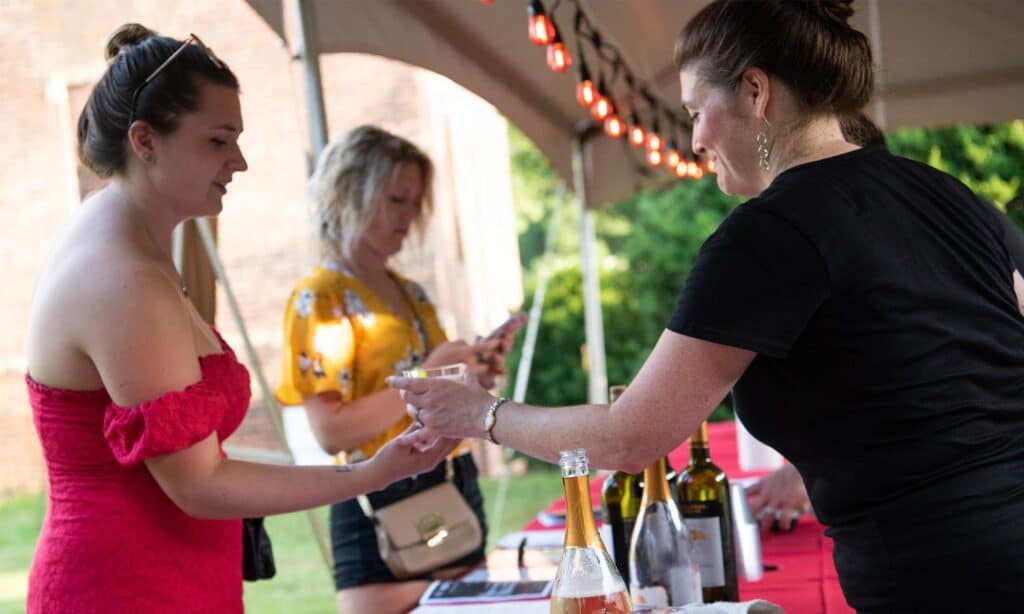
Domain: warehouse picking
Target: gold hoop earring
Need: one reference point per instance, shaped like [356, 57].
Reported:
[761, 146]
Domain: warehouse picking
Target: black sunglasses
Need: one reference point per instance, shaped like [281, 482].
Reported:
[192, 38]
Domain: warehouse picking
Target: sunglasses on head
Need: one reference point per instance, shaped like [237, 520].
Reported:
[192, 38]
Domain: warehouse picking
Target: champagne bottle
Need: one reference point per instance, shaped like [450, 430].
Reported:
[662, 562]
[586, 581]
[704, 501]
[620, 503]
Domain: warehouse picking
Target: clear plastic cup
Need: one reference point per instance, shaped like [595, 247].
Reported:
[453, 372]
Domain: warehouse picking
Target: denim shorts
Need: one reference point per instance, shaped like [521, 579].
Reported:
[356, 557]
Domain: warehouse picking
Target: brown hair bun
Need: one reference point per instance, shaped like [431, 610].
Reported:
[839, 11]
[126, 35]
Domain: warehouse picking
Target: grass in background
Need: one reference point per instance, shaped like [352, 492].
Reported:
[302, 585]
[20, 518]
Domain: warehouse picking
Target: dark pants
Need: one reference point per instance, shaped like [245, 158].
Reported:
[356, 557]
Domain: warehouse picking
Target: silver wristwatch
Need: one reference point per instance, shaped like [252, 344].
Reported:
[490, 419]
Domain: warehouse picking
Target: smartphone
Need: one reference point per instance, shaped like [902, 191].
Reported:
[512, 324]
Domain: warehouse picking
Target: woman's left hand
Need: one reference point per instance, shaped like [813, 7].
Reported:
[444, 408]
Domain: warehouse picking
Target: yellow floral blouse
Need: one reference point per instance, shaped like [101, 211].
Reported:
[339, 335]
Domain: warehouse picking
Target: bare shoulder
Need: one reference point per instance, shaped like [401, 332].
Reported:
[117, 322]
[142, 343]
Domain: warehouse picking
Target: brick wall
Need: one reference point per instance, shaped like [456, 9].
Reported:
[51, 52]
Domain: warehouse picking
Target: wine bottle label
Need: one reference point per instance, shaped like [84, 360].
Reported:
[706, 532]
[649, 595]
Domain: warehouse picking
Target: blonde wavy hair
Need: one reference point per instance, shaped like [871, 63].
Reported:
[350, 181]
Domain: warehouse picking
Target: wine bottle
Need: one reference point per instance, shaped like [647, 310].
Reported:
[662, 563]
[587, 580]
[704, 501]
[620, 503]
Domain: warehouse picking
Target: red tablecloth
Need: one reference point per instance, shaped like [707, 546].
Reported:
[805, 581]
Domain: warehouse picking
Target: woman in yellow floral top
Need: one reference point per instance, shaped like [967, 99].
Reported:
[351, 323]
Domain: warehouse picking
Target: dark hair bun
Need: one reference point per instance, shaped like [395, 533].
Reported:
[127, 35]
[838, 11]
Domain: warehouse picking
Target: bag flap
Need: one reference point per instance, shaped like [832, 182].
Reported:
[415, 519]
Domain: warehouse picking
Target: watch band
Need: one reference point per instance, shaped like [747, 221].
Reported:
[490, 419]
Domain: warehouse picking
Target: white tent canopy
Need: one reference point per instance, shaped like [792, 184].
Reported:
[941, 62]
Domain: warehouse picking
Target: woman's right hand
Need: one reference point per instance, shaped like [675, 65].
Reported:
[399, 458]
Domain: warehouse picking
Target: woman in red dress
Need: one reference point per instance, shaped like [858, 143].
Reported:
[132, 393]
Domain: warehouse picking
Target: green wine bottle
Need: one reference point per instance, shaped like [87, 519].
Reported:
[620, 503]
[704, 502]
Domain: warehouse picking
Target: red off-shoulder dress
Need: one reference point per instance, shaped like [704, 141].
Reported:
[112, 541]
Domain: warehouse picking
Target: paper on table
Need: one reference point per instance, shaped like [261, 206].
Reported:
[460, 591]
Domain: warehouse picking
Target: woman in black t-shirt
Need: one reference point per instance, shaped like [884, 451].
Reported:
[863, 308]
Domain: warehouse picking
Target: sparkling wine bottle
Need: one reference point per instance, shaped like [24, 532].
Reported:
[587, 581]
[620, 503]
[704, 501]
[662, 562]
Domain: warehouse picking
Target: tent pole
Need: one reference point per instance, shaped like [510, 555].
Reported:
[597, 376]
[309, 54]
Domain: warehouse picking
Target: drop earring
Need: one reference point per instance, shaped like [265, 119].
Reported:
[761, 147]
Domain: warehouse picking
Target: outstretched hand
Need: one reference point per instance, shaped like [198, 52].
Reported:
[779, 498]
[400, 458]
[444, 407]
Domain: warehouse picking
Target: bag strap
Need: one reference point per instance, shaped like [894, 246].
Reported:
[367, 507]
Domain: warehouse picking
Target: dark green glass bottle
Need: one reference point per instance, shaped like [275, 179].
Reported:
[703, 492]
[620, 503]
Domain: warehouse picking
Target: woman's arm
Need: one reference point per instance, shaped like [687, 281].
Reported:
[143, 348]
[204, 485]
[683, 379]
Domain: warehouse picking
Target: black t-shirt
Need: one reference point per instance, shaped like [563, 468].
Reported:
[877, 293]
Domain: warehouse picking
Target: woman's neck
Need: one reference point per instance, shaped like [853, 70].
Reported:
[809, 141]
[154, 223]
[364, 263]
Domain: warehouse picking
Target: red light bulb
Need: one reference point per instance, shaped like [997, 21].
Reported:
[614, 126]
[654, 157]
[672, 158]
[558, 57]
[586, 93]
[637, 136]
[542, 31]
[654, 142]
[602, 108]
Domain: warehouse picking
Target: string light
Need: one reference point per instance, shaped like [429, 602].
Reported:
[603, 106]
[672, 157]
[614, 126]
[542, 30]
[558, 57]
[711, 167]
[637, 136]
[654, 157]
[586, 92]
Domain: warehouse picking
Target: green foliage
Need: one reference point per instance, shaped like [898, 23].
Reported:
[989, 159]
